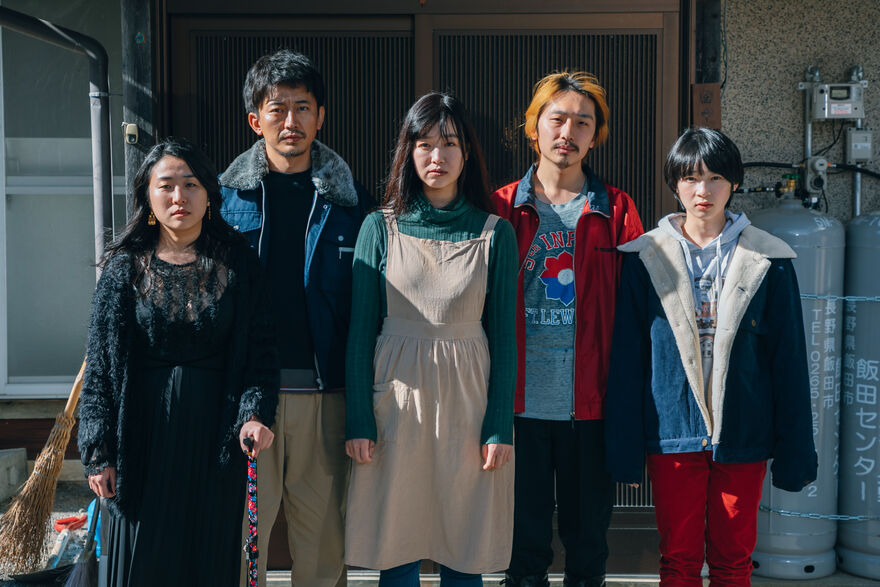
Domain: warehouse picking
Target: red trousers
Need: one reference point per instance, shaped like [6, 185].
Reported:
[705, 511]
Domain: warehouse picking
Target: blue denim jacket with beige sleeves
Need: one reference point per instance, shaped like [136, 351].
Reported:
[757, 405]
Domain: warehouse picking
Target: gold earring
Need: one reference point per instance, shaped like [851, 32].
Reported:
[209, 210]
[151, 219]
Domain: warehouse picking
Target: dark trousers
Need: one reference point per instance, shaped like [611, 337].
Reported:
[562, 464]
[408, 576]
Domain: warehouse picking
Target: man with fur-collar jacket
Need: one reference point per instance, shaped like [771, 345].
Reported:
[568, 224]
[299, 206]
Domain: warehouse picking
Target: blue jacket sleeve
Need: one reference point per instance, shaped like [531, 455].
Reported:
[629, 374]
[794, 455]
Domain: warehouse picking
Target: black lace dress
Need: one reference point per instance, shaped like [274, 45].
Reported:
[186, 529]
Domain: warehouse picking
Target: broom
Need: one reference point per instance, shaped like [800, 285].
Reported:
[24, 525]
[85, 569]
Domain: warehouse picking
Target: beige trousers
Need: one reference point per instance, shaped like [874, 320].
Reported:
[306, 471]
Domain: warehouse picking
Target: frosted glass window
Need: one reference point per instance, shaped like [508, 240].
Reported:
[50, 280]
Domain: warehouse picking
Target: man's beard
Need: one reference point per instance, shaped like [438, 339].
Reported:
[296, 152]
[566, 161]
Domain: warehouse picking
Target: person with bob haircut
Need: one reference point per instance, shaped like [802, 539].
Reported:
[430, 363]
[568, 223]
[181, 368]
[709, 371]
[297, 203]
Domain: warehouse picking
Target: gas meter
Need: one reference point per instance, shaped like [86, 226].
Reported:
[838, 101]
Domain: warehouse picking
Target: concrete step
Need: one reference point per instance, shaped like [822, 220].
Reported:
[13, 471]
[371, 579]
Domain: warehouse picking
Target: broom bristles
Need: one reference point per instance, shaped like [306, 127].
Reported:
[84, 573]
[24, 526]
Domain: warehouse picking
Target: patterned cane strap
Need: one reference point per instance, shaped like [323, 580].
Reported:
[250, 547]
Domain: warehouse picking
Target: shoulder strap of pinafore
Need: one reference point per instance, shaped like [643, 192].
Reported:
[489, 226]
[390, 219]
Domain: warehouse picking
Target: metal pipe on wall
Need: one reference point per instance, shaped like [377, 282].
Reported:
[857, 183]
[856, 74]
[98, 101]
[811, 76]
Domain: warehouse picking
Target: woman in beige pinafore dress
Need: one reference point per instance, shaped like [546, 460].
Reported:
[429, 414]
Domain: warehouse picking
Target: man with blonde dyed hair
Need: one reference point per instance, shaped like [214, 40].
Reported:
[568, 225]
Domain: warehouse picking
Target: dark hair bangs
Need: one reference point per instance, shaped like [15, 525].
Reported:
[282, 68]
[449, 116]
[443, 118]
[139, 238]
[686, 161]
[707, 148]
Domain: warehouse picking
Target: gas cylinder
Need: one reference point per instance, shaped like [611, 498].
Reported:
[789, 546]
[858, 542]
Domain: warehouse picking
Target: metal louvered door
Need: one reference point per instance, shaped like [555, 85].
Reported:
[492, 63]
[375, 67]
[367, 65]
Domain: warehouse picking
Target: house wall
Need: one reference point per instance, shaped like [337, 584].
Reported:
[770, 44]
[46, 277]
[47, 224]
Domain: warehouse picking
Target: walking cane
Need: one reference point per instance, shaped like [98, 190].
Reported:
[250, 546]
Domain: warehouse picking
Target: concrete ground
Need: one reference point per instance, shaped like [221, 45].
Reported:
[370, 579]
[72, 496]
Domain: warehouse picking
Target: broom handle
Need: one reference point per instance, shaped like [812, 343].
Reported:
[93, 523]
[73, 399]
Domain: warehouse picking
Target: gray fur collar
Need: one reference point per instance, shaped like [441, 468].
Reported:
[330, 174]
[664, 261]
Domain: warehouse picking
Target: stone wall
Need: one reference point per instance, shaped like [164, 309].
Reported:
[770, 44]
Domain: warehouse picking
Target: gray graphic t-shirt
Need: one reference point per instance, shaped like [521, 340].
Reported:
[707, 267]
[549, 289]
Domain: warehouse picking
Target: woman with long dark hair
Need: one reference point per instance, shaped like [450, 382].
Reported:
[431, 363]
[180, 370]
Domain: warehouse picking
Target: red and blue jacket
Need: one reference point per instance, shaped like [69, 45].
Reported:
[609, 219]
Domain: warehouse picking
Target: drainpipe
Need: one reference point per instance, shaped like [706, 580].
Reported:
[98, 100]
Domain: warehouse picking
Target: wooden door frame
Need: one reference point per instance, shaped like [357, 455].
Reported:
[420, 7]
[662, 18]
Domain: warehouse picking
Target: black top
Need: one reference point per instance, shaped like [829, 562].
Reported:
[289, 198]
[154, 315]
[183, 315]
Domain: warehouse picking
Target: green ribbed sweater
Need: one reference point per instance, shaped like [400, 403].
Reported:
[457, 222]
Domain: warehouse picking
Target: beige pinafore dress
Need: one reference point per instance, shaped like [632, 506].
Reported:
[425, 495]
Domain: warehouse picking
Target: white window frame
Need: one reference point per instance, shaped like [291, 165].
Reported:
[4, 359]
[48, 386]
[32, 387]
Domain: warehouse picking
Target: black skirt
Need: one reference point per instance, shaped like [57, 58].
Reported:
[187, 527]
